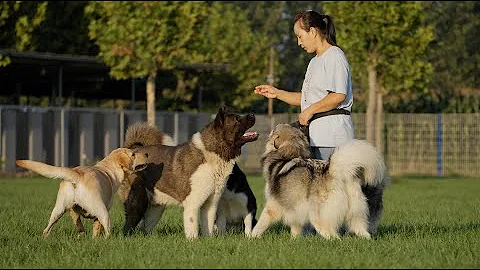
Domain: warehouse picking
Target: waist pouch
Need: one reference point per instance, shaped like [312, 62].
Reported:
[305, 129]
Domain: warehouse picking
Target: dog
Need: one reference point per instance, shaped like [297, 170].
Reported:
[193, 174]
[325, 193]
[86, 191]
[132, 192]
[238, 205]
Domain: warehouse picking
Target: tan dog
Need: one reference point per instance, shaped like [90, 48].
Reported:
[86, 190]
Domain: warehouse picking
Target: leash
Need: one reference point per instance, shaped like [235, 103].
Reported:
[304, 129]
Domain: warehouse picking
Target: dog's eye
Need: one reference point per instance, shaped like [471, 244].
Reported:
[146, 155]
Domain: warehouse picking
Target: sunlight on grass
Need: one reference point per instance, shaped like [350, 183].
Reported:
[427, 223]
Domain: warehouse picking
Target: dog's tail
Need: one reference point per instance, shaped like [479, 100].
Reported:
[358, 159]
[142, 134]
[49, 171]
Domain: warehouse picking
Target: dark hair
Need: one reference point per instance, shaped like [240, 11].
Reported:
[322, 22]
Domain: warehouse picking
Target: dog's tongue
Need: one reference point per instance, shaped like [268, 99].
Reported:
[250, 136]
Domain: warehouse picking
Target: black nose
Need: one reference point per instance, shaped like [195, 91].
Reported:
[251, 116]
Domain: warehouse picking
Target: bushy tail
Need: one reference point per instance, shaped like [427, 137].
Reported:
[359, 159]
[49, 171]
[143, 134]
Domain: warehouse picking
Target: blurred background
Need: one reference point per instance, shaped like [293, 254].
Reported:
[75, 74]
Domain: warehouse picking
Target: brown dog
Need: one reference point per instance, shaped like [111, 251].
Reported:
[86, 190]
[237, 206]
[193, 175]
[132, 191]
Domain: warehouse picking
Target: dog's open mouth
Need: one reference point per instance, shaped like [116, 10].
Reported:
[139, 167]
[250, 136]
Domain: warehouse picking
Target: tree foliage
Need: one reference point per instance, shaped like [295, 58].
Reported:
[393, 36]
[386, 44]
[64, 30]
[18, 20]
[139, 38]
[226, 37]
[455, 85]
[274, 20]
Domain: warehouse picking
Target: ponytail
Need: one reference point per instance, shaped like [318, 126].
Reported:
[322, 22]
[330, 34]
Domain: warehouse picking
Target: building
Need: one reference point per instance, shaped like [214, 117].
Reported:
[59, 76]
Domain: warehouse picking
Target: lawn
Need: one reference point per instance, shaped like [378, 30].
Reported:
[428, 222]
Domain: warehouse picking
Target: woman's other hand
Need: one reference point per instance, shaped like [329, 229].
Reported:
[304, 117]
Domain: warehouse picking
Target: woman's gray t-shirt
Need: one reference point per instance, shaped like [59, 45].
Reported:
[329, 72]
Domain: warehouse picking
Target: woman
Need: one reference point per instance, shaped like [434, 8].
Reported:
[327, 87]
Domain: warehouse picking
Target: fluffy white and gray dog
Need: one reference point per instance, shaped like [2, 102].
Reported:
[345, 190]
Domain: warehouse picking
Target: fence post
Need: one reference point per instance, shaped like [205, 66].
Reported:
[35, 135]
[175, 127]
[9, 140]
[62, 137]
[121, 127]
[86, 127]
[439, 144]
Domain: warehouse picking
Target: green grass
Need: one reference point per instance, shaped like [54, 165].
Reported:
[427, 223]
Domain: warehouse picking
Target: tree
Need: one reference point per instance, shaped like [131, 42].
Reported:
[386, 43]
[18, 20]
[64, 30]
[455, 84]
[226, 37]
[139, 38]
[274, 20]
[234, 56]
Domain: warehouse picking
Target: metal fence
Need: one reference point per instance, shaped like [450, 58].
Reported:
[423, 144]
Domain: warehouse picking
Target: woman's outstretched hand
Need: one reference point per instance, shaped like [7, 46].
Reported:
[266, 90]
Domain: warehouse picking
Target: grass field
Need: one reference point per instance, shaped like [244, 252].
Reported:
[427, 223]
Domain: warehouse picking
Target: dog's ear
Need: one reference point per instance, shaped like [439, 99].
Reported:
[280, 139]
[277, 142]
[124, 158]
[291, 149]
[220, 117]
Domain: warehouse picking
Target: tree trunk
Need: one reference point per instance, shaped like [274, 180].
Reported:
[151, 100]
[379, 122]
[270, 80]
[369, 117]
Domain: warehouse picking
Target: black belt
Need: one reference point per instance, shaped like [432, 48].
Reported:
[304, 129]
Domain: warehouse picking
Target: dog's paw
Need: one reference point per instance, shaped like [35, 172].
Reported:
[191, 236]
[361, 234]
[330, 236]
[254, 235]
